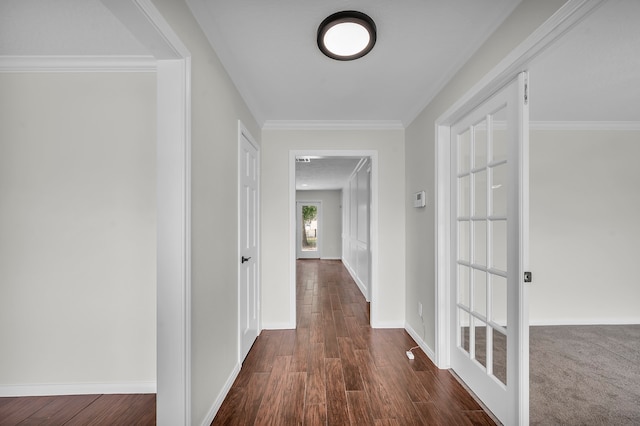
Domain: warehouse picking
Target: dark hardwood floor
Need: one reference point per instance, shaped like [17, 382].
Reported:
[79, 410]
[334, 369]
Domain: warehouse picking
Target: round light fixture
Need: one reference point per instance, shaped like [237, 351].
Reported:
[347, 35]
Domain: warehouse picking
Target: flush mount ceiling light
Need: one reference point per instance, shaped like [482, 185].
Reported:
[347, 35]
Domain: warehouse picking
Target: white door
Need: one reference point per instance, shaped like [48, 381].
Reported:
[249, 291]
[489, 239]
[308, 222]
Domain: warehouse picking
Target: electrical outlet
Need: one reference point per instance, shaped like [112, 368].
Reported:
[420, 309]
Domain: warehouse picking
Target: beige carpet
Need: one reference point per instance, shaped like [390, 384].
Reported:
[585, 375]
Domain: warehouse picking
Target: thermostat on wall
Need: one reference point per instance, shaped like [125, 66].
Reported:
[419, 199]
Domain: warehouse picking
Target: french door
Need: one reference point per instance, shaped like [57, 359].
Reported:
[489, 240]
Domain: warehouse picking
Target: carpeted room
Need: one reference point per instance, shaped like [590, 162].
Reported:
[584, 313]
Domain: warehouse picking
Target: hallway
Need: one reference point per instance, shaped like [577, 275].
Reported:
[335, 369]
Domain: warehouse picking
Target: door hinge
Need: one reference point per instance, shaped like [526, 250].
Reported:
[528, 276]
[526, 93]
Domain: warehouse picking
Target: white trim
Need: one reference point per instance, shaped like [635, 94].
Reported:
[332, 125]
[388, 324]
[522, 336]
[278, 326]
[173, 399]
[373, 155]
[585, 125]
[293, 245]
[211, 414]
[173, 261]
[443, 250]
[78, 64]
[331, 258]
[76, 389]
[585, 321]
[423, 345]
[545, 36]
[357, 280]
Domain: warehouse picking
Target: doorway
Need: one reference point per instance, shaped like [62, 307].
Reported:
[332, 237]
[584, 209]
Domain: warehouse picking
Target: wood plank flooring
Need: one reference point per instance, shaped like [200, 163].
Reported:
[79, 410]
[334, 369]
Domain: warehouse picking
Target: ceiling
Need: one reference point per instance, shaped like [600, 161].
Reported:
[63, 28]
[270, 51]
[324, 173]
[272, 56]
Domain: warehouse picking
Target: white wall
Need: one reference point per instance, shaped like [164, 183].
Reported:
[276, 217]
[420, 160]
[355, 238]
[216, 107]
[330, 233]
[78, 232]
[585, 206]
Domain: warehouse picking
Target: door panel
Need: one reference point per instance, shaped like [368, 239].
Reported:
[489, 342]
[249, 291]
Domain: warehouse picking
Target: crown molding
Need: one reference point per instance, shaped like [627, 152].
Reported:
[77, 64]
[333, 125]
[584, 125]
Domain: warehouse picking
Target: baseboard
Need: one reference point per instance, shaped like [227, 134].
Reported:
[387, 324]
[330, 258]
[599, 321]
[358, 282]
[278, 326]
[221, 396]
[51, 389]
[362, 288]
[423, 345]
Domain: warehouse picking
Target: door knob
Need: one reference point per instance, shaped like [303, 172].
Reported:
[245, 259]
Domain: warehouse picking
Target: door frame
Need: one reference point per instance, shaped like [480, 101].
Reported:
[373, 155]
[319, 220]
[518, 60]
[243, 132]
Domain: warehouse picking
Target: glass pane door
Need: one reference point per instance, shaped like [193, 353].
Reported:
[482, 244]
[308, 234]
[487, 348]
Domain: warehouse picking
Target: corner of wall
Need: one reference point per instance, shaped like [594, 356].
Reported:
[423, 345]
